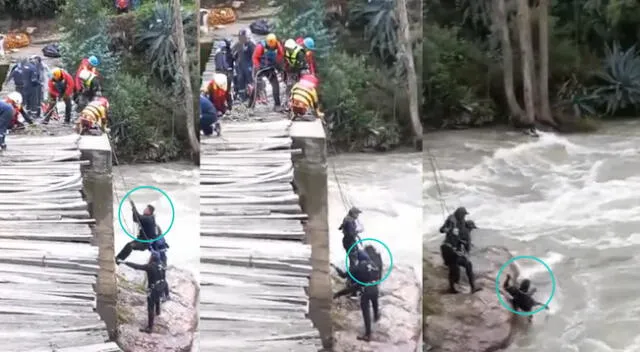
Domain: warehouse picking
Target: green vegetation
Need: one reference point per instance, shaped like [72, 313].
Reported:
[139, 66]
[582, 57]
[362, 92]
[23, 9]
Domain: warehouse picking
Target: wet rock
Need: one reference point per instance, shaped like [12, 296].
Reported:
[466, 322]
[398, 329]
[175, 327]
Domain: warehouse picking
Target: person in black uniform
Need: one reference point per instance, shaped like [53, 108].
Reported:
[521, 297]
[349, 228]
[148, 231]
[155, 286]
[456, 247]
[367, 271]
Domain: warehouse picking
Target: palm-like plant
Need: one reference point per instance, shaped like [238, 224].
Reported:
[380, 24]
[619, 81]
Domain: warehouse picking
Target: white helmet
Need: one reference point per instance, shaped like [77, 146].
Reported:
[290, 44]
[15, 97]
[220, 80]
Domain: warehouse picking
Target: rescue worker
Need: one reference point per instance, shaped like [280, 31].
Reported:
[90, 63]
[88, 90]
[242, 53]
[122, 6]
[61, 87]
[16, 101]
[161, 246]
[39, 84]
[148, 231]
[304, 96]
[223, 59]
[93, 117]
[19, 76]
[367, 271]
[216, 92]
[350, 231]
[455, 248]
[155, 286]
[310, 45]
[294, 59]
[267, 61]
[208, 117]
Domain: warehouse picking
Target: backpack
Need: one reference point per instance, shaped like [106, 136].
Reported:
[260, 27]
[122, 4]
[51, 50]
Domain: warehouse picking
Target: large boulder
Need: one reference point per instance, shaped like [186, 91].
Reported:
[467, 322]
[398, 329]
[175, 327]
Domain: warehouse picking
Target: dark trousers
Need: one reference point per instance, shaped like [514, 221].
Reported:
[243, 77]
[272, 76]
[368, 300]
[67, 108]
[131, 246]
[454, 261]
[153, 305]
[35, 100]
[5, 119]
[206, 123]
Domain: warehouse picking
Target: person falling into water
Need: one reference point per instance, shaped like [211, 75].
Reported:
[522, 296]
[156, 286]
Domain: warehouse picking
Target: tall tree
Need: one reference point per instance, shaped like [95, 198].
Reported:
[405, 55]
[526, 51]
[545, 115]
[185, 77]
[500, 25]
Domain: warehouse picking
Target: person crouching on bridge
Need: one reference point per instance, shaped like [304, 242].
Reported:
[208, 117]
[15, 100]
[148, 231]
[7, 111]
[93, 118]
[216, 92]
[155, 286]
[304, 97]
[61, 86]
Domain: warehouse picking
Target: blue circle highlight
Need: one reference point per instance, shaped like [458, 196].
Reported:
[553, 285]
[386, 276]
[173, 213]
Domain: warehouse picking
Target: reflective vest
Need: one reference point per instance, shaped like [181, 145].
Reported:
[291, 56]
[270, 56]
[96, 113]
[304, 97]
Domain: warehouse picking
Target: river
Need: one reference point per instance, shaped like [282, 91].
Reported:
[182, 184]
[569, 200]
[386, 187]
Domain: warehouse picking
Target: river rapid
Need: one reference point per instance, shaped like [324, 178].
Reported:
[386, 187]
[572, 201]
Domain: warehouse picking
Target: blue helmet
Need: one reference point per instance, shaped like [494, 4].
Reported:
[309, 43]
[94, 61]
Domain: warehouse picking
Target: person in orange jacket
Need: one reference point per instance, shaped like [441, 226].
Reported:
[216, 92]
[268, 59]
[15, 100]
[88, 63]
[310, 45]
[61, 87]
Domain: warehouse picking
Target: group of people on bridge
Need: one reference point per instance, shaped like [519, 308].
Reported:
[243, 65]
[27, 104]
[455, 250]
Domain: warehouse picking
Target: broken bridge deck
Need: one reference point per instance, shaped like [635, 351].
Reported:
[47, 264]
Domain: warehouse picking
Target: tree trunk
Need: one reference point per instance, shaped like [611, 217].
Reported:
[501, 25]
[406, 57]
[543, 78]
[526, 50]
[185, 78]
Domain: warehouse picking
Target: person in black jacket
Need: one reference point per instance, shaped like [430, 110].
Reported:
[155, 286]
[242, 53]
[350, 231]
[148, 231]
[456, 247]
[224, 64]
[521, 297]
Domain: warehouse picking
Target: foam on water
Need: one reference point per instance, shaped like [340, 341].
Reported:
[572, 201]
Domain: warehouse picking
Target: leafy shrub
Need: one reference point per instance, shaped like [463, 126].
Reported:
[378, 18]
[23, 9]
[618, 86]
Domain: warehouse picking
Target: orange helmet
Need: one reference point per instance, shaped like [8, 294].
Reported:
[272, 40]
[311, 79]
[56, 73]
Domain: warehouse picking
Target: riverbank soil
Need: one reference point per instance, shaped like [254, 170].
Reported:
[467, 322]
[398, 329]
[174, 328]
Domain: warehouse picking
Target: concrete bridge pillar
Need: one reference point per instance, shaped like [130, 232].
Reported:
[310, 179]
[98, 192]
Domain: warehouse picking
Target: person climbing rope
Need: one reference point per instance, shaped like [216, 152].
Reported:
[155, 286]
[94, 117]
[350, 231]
[267, 62]
[148, 231]
[304, 97]
[455, 248]
[61, 86]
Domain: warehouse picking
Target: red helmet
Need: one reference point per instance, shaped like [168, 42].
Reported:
[311, 79]
[300, 41]
[103, 101]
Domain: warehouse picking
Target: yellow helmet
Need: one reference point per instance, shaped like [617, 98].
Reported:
[56, 73]
[272, 40]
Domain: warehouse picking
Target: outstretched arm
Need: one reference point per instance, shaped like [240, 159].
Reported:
[506, 282]
[143, 267]
[532, 291]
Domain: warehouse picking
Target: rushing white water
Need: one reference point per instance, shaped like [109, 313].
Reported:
[572, 201]
[181, 183]
[386, 187]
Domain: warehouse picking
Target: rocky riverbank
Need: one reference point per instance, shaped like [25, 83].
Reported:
[465, 322]
[175, 327]
[398, 329]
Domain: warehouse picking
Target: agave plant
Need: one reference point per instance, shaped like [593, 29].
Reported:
[380, 25]
[619, 82]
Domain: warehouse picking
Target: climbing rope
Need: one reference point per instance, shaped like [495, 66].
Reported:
[124, 182]
[344, 197]
[437, 178]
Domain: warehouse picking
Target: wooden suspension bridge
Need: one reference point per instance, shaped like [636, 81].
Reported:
[47, 264]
